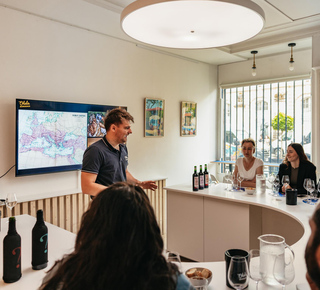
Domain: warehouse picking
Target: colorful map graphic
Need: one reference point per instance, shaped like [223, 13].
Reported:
[48, 138]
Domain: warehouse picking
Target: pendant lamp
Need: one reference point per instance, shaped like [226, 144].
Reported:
[192, 24]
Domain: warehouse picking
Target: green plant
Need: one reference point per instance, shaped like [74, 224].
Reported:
[282, 123]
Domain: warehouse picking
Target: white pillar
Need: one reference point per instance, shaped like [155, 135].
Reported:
[316, 101]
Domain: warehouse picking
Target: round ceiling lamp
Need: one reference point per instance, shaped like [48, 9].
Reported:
[192, 24]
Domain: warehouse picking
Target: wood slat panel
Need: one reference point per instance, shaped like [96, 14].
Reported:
[68, 215]
[66, 211]
[62, 212]
[55, 211]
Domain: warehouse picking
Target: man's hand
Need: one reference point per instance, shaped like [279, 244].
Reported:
[148, 185]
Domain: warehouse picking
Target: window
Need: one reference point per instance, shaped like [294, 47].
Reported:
[273, 114]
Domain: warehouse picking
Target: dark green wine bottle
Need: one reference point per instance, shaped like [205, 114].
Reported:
[195, 180]
[206, 176]
[39, 243]
[201, 178]
[12, 254]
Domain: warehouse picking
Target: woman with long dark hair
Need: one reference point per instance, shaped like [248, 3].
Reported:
[118, 246]
[298, 167]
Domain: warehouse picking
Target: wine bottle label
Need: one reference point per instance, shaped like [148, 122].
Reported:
[206, 179]
[196, 182]
[201, 180]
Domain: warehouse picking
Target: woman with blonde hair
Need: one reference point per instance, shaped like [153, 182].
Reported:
[248, 166]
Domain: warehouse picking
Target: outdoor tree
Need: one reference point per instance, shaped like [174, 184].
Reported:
[282, 123]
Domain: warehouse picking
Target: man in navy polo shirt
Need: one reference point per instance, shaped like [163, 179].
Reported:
[105, 161]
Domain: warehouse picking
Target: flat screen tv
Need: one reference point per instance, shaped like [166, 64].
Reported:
[52, 136]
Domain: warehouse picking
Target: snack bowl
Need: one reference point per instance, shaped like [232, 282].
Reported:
[250, 190]
[198, 272]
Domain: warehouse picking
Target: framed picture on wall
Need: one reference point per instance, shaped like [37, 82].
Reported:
[153, 117]
[188, 119]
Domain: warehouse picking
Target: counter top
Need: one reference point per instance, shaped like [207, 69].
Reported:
[301, 213]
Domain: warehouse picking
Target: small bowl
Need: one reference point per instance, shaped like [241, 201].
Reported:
[200, 270]
[250, 190]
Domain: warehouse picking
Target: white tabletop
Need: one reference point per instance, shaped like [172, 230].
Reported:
[60, 242]
[301, 212]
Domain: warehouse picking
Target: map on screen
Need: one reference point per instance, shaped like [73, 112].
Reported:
[51, 138]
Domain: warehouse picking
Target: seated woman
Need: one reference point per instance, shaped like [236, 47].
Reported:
[118, 246]
[298, 167]
[248, 166]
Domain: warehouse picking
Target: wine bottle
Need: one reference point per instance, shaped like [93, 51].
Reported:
[195, 180]
[12, 254]
[201, 178]
[39, 243]
[206, 176]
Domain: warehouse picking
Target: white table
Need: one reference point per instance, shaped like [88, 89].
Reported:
[199, 226]
[60, 243]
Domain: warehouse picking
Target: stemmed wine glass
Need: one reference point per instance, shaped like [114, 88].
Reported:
[254, 267]
[174, 257]
[228, 179]
[276, 183]
[271, 178]
[310, 187]
[11, 201]
[283, 270]
[285, 180]
[238, 272]
[240, 178]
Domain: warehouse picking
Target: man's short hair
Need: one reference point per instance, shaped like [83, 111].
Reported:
[116, 116]
[250, 140]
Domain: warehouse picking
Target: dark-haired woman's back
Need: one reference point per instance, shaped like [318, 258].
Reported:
[119, 246]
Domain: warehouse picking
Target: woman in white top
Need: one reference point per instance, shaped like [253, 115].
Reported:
[248, 165]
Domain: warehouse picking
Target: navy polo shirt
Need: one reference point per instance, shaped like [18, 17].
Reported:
[107, 162]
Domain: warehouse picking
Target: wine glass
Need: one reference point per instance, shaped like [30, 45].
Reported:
[285, 180]
[283, 270]
[238, 272]
[254, 267]
[271, 178]
[240, 178]
[174, 257]
[276, 183]
[229, 180]
[310, 188]
[11, 201]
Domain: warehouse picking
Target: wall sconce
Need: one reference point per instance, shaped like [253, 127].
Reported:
[254, 68]
[291, 67]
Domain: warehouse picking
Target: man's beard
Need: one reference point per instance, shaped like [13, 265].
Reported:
[312, 265]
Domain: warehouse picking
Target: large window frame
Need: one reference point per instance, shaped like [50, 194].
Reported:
[273, 114]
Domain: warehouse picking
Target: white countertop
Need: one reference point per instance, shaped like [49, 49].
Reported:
[301, 212]
[60, 242]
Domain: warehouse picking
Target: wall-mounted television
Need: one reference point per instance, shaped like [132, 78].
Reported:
[52, 136]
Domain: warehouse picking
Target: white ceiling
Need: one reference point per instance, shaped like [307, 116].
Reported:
[286, 21]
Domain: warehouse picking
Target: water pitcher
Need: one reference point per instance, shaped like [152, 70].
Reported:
[270, 247]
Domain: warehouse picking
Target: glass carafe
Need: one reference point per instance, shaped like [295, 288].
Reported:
[260, 183]
[270, 247]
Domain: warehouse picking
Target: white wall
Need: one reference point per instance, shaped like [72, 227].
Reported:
[50, 60]
[272, 67]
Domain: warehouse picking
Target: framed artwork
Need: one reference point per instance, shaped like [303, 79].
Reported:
[153, 117]
[188, 119]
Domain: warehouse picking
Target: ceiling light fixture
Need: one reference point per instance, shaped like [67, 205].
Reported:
[254, 68]
[291, 62]
[192, 24]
